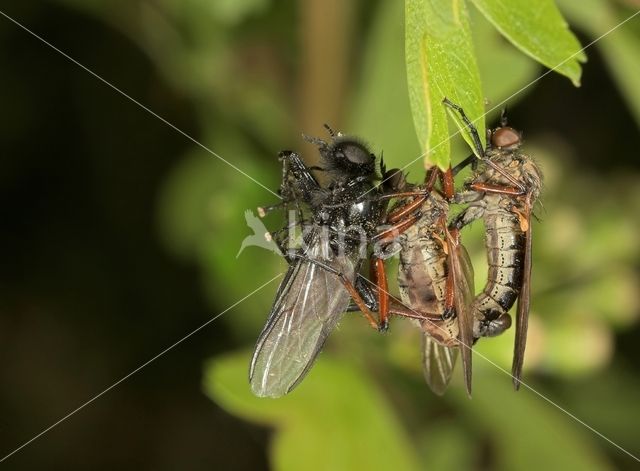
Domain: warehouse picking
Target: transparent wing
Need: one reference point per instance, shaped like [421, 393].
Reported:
[522, 316]
[462, 270]
[309, 304]
[437, 364]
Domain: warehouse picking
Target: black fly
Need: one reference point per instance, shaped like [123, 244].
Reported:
[340, 218]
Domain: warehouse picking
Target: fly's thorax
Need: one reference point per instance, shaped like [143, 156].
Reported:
[517, 165]
[506, 160]
[532, 176]
[432, 211]
[351, 214]
[355, 203]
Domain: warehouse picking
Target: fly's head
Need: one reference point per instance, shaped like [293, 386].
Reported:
[505, 138]
[345, 157]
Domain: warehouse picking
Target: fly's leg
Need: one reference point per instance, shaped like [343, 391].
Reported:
[477, 144]
[449, 308]
[419, 195]
[473, 131]
[399, 309]
[379, 278]
[405, 211]
[497, 189]
[298, 184]
[303, 179]
[449, 292]
[472, 160]
[390, 233]
[467, 216]
[369, 296]
[404, 217]
[474, 211]
[402, 220]
[348, 285]
[448, 186]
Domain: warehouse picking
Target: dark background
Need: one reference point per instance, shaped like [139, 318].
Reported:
[88, 289]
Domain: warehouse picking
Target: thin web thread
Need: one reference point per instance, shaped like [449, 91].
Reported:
[517, 92]
[148, 362]
[133, 100]
[273, 279]
[507, 373]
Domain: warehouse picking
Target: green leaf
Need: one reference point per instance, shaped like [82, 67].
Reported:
[336, 419]
[538, 29]
[495, 55]
[526, 431]
[383, 68]
[440, 63]
[620, 49]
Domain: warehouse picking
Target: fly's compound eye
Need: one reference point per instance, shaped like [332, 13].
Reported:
[354, 152]
[505, 137]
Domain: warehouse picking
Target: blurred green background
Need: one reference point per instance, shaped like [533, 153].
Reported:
[119, 237]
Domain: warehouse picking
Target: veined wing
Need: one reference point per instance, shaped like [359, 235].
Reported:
[438, 362]
[522, 316]
[462, 270]
[309, 304]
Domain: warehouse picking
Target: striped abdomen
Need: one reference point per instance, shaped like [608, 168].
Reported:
[505, 242]
[422, 281]
[422, 274]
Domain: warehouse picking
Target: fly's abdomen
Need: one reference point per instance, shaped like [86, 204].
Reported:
[505, 244]
[422, 274]
[422, 281]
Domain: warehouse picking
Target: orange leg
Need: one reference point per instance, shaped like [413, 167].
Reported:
[405, 210]
[403, 194]
[421, 196]
[497, 189]
[399, 309]
[394, 231]
[449, 308]
[366, 312]
[351, 289]
[379, 277]
[448, 186]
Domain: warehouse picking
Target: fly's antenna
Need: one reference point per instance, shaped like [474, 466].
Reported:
[331, 132]
[503, 116]
[472, 129]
